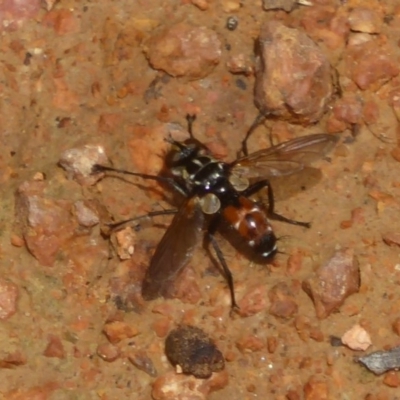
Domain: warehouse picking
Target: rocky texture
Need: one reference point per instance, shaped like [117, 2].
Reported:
[79, 162]
[172, 386]
[46, 224]
[333, 282]
[184, 50]
[293, 76]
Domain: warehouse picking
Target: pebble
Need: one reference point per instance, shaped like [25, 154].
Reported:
[391, 238]
[108, 352]
[54, 347]
[316, 389]
[286, 5]
[142, 361]
[333, 282]
[380, 362]
[184, 50]
[357, 338]
[125, 243]
[172, 386]
[193, 352]
[293, 76]
[46, 224]
[371, 65]
[87, 216]
[116, 331]
[283, 303]
[8, 299]
[78, 162]
[366, 20]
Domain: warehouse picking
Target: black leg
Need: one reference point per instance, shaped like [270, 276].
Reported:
[190, 118]
[256, 187]
[227, 272]
[169, 181]
[151, 214]
[258, 121]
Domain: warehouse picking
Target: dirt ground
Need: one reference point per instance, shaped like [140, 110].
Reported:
[73, 326]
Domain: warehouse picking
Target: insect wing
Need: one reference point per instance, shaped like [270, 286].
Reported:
[284, 158]
[174, 250]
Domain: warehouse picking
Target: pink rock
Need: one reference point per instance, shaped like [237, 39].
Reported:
[333, 282]
[46, 224]
[54, 347]
[79, 162]
[357, 338]
[283, 303]
[293, 76]
[365, 20]
[184, 50]
[14, 12]
[8, 299]
[86, 214]
[372, 64]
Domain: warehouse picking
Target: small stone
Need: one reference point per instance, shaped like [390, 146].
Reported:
[46, 224]
[13, 359]
[125, 240]
[380, 362]
[86, 215]
[54, 347]
[333, 282]
[184, 50]
[253, 302]
[143, 362]
[201, 4]
[193, 351]
[108, 352]
[371, 65]
[396, 326]
[293, 76]
[286, 5]
[230, 5]
[172, 386]
[250, 343]
[16, 240]
[365, 20]
[8, 299]
[315, 389]
[79, 163]
[357, 338]
[391, 238]
[283, 303]
[116, 331]
[240, 64]
[232, 23]
[392, 379]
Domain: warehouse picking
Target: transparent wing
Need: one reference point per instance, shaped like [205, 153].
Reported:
[284, 158]
[174, 250]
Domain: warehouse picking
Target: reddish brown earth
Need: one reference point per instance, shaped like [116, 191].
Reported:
[80, 73]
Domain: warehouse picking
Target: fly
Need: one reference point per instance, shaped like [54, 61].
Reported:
[219, 193]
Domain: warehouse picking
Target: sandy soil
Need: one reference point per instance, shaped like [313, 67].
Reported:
[73, 325]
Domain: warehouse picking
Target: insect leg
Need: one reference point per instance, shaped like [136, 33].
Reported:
[190, 118]
[258, 121]
[169, 181]
[227, 272]
[256, 187]
[151, 214]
